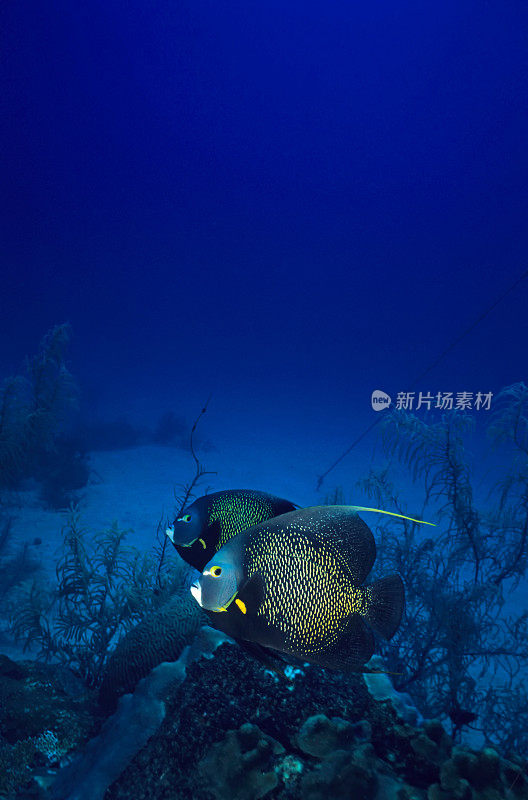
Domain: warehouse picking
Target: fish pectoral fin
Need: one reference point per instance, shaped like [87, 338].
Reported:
[251, 592]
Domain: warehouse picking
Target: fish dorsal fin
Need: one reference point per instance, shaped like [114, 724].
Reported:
[336, 527]
[393, 514]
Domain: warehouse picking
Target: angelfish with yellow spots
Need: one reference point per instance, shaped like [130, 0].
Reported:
[295, 584]
[211, 521]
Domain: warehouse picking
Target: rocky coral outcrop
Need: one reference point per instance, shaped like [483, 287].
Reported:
[242, 766]
[483, 775]
[45, 713]
[319, 735]
[232, 729]
[161, 636]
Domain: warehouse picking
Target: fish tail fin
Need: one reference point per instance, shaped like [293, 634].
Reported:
[386, 604]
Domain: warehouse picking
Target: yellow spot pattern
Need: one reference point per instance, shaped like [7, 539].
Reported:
[308, 588]
[238, 512]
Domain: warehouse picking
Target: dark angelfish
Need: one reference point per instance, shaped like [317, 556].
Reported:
[295, 584]
[211, 521]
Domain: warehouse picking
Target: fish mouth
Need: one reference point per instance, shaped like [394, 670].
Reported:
[170, 533]
[196, 591]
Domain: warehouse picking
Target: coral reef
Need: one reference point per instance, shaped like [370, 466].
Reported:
[224, 727]
[343, 774]
[241, 766]
[160, 636]
[319, 736]
[478, 776]
[121, 737]
[381, 688]
[123, 734]
[45, 712]
[233, 728]
[222, 694]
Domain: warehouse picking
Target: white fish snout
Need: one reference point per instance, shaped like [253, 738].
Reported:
[196, 591]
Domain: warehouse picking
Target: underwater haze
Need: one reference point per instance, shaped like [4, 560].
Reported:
[289, 205]
[302, 229]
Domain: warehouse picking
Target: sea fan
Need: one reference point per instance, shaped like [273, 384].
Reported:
[15, 566]
[14, 412]
[457, 638]
[510, 418]
[35, 409]
[53, 391]
[103, 589]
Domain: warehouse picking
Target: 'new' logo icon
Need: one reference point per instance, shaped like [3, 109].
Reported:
[380, 400]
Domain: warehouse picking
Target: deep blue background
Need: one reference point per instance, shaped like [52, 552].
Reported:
[289, 204]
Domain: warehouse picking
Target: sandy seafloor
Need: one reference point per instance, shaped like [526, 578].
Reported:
[136, 487]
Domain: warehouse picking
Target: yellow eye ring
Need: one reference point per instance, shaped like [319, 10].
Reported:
[186, 518]
[216, 571]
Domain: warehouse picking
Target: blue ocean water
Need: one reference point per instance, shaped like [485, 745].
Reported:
[289, 207]
[280, 207]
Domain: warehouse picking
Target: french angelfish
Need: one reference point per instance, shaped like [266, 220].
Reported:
[295, 584]
[211, 521]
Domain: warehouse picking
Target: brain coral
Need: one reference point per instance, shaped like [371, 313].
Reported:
[161, 636]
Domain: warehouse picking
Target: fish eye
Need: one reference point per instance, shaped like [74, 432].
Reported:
[216, 571]
[186, 518]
